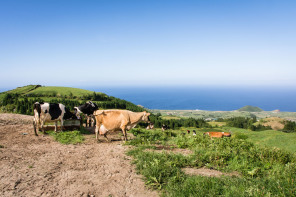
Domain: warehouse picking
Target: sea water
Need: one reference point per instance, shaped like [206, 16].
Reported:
[203, 98]
[214, 99]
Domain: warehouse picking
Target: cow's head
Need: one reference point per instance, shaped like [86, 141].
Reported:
[145, 117]
[77, 112]
[69, 115]
[93, 105]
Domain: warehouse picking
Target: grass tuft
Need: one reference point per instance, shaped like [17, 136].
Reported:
[68, 137]
[264, 171]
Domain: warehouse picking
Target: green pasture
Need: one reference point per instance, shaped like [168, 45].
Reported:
[268, 138]
[170, 118]
[260, 171]
[225, 114]
[22, 90]
[52, 91]
[60, 91]
[217, 124]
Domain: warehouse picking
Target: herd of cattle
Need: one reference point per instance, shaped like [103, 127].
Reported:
[106, 120]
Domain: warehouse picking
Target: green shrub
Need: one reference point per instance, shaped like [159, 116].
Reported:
[263, 171]
[240, 136]
[68, 137]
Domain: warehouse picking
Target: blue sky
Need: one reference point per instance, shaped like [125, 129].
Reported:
[148, 43]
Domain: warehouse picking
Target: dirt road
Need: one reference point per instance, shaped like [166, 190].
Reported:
[39, 166]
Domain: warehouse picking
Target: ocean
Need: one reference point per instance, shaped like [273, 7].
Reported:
[207, 98]
[212, 99]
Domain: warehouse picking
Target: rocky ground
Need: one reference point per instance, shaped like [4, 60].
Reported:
[39, 166]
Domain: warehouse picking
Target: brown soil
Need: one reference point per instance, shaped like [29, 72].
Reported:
[274, 122]
[208, 172]
[38, 166]
[170, 149]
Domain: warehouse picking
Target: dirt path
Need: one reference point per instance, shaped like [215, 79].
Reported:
[39, 166]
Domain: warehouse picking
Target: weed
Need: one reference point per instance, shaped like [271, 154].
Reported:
[265, 171]
[68, 137]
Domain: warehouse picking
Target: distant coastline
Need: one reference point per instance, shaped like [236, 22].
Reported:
[208, 99]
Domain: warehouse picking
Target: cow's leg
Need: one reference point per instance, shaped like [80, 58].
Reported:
[42, 127]
[88, 121]
[34, 125]
[124, 133]
[62, 124]
[81, 123]
[105, 135]
[97, 131]
[55, 126]
[92, 121]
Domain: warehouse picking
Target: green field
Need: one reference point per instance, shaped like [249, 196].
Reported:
[51, 91]
[212, 115]
[60, 91]
[260, 171]
[270, 138]
[21, 100]
[267, 138]
[22, 90]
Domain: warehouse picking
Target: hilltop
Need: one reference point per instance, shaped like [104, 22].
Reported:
[21, 99]
[250, 108]
[51, 91]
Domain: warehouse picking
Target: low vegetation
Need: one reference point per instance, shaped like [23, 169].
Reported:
[68, 137]
[250, 108]
[214, 115]
[273, 122]
[263, 171]
[21, 100]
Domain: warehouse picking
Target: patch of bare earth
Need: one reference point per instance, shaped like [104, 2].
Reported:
[38, 166]
[170, 149]
[274, 122]
[208, 172]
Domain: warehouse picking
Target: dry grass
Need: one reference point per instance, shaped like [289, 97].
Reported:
[274, 122]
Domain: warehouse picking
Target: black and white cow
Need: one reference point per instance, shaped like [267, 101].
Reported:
[50, 112]
[164, 127]
[87, 109]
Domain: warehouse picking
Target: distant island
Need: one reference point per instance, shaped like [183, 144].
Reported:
[250, 108]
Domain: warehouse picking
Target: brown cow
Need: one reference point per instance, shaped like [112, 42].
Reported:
[218, 134]
[111, 120]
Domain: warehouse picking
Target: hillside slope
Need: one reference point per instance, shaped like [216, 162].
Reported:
[21, 99]
[250, 108]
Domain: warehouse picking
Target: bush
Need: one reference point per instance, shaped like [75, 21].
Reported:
[240, 136]
[264, 171]
[68, 137]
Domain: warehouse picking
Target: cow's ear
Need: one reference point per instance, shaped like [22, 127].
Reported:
[148, 114]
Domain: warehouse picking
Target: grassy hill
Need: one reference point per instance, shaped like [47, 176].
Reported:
[250, 108]
[50, 91]
[21, 99]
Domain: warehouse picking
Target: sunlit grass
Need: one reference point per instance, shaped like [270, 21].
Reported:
[263, 171]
